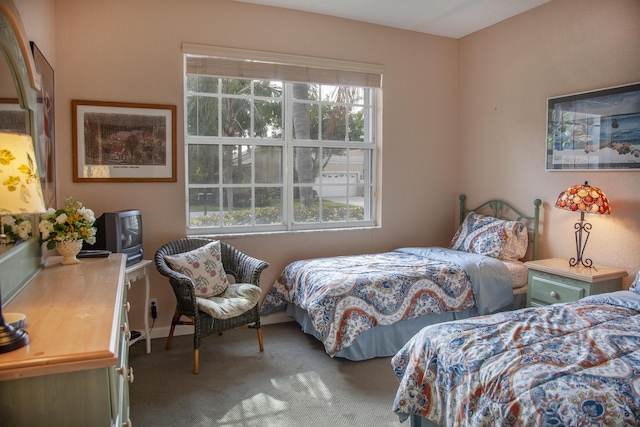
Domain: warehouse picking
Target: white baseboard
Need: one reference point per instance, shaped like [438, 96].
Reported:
[279, 317]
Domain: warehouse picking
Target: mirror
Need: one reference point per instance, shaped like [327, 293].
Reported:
[19, 82]
[12, 117]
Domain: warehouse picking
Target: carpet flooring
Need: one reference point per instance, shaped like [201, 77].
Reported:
[292, 383]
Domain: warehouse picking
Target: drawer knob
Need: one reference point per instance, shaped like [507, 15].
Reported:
[553, 294]
[130, 375]
[127, 373]
[125, 329]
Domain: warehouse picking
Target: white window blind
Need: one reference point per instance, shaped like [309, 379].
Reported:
[237, 63]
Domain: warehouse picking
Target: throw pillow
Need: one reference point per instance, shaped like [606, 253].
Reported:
[494, 237]
[204, 267]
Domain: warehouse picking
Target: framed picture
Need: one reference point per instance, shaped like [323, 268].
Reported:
[46, 141]
[123, 142]
[598, 130]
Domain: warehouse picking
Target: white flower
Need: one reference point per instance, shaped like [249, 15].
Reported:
[16, 227]
[45, 228]
[62, 218]
[8, 220]
[23, 230]
[87, 214]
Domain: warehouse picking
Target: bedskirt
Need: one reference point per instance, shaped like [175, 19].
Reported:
[385, 341]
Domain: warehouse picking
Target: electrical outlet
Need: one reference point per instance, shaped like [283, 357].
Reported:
[154, 307]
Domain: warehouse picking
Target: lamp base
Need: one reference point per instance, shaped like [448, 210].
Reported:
[11, 338]
[583, 230]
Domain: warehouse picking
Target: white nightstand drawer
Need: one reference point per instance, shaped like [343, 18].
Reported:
[551, 291]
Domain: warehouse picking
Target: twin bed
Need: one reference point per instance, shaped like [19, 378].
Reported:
[570, 364]
[366, 306]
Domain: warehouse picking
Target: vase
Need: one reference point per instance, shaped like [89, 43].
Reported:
[69, 250]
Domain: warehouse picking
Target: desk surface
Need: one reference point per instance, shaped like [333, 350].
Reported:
[72, 318]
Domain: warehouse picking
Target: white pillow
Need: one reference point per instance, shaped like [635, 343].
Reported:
[204, 267]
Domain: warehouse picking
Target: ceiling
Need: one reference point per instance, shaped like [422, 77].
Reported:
[447, 18]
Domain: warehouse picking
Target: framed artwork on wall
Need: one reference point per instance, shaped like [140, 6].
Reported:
[123, 142]
[597, 130]
[46, 127]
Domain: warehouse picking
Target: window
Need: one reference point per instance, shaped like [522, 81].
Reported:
[276, 146]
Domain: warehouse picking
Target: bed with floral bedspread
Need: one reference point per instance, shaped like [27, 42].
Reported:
[370, 305]
[347, 295]
[572, 364]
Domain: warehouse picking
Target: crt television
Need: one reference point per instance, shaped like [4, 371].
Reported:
[120, 232]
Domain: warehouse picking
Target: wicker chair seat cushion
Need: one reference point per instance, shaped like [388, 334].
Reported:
[204, 267]
[236, 300]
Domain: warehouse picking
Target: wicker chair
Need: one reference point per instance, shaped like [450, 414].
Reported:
[243, 268]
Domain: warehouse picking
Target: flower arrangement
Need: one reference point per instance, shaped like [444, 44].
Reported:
[16, 228]
[73, 222]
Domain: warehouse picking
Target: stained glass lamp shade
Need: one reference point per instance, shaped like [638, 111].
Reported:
[583, 198]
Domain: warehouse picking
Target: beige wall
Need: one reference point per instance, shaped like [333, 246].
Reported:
[506, 73]
[459, 115]
[39, 20]
[131, 52]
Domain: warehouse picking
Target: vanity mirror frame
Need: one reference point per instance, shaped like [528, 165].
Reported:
[21, 263]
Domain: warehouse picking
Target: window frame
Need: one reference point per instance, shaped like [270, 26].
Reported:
[287, 145]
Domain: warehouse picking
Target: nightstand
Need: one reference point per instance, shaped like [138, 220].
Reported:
[552, 281]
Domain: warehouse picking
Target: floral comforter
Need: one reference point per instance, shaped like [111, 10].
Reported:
[573, 364]
[345, 296]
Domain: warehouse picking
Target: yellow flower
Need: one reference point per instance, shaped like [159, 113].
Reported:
[6, 157]
[12, 183]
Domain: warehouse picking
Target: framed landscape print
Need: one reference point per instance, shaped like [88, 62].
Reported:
[124, 142]
[598, 130]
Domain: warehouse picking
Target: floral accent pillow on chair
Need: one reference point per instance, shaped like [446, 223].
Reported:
[204, 267]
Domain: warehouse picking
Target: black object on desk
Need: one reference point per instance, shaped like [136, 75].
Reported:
[87, 253]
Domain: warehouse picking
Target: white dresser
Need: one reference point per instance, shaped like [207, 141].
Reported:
[74, 371]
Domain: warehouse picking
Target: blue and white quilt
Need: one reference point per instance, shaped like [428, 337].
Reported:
[573, 364]
[347, 295]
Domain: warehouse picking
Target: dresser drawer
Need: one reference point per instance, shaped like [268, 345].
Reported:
[548, 291]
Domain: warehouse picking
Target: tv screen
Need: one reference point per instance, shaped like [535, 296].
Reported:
[130, 231]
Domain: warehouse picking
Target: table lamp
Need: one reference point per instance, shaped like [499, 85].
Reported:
[584, 199]
[20, 193]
